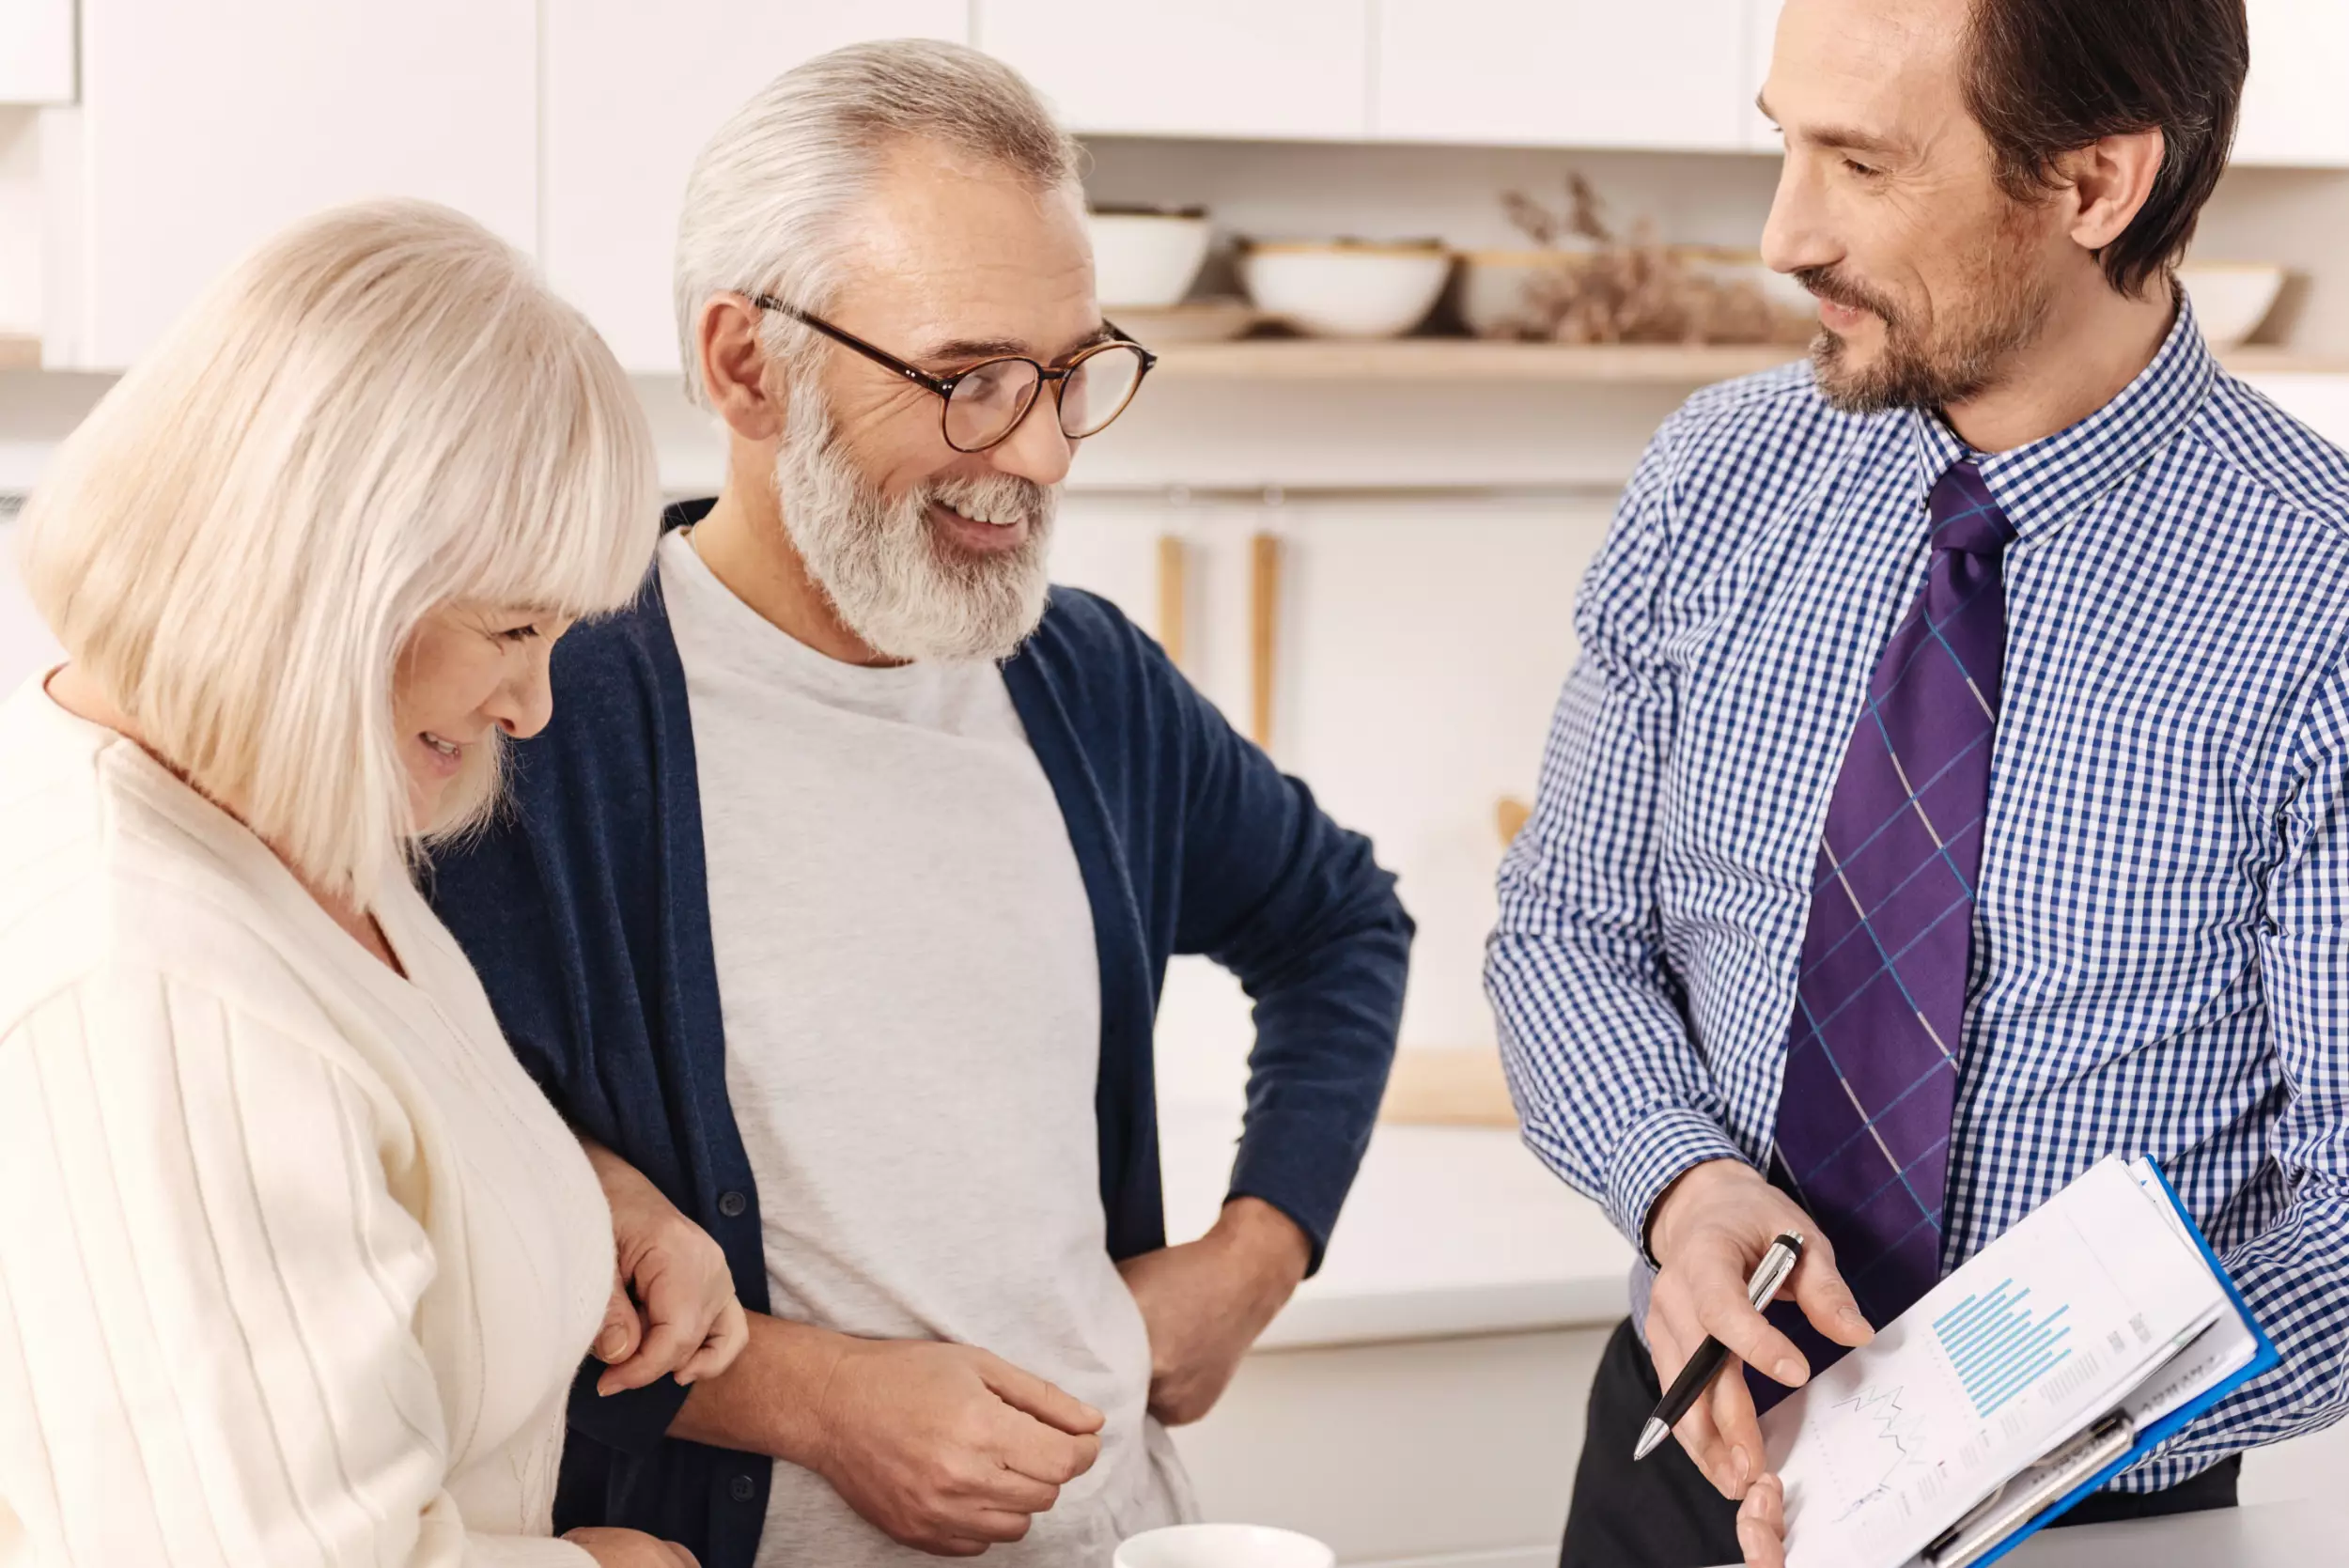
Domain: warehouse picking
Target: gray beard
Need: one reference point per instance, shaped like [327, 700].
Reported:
[907, 593]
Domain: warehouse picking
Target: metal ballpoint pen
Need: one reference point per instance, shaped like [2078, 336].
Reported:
[1694, 1378]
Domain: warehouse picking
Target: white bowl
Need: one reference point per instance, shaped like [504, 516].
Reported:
[1736, 266]
[1224, 1547]
[1347, 290]
[1146, 258]
[2231, 297]
[1493, 285]
[1199, 321]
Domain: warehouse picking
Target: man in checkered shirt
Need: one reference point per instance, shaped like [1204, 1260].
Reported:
[1954, 785]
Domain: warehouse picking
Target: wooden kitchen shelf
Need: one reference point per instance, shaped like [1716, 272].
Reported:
[1465, 359]
[19, 353]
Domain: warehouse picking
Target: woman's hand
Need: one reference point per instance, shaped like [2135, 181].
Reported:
[629, 1548]
[672, 1308]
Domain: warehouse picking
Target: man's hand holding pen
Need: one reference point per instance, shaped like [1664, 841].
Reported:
[1708, 1234]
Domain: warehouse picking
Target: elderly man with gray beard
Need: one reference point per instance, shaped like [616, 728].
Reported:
[839, 894]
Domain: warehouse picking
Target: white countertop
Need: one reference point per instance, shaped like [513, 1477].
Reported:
[2273, 1535]
[2279, 1535]
[1449, 1230]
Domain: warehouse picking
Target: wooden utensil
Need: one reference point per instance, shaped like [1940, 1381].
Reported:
[1264, 593]
[1173, 594]
[1510, 815]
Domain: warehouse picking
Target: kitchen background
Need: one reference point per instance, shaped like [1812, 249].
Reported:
[1365, 548]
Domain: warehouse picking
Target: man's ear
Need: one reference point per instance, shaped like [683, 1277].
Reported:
[735, 370]
[2111, 180]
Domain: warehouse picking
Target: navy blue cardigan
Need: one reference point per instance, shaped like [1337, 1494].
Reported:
[585, 908]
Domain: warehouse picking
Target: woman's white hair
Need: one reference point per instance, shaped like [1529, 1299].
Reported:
[380, 412]
[769, 198]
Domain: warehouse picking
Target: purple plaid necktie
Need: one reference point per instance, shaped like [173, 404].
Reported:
[1863, 1123]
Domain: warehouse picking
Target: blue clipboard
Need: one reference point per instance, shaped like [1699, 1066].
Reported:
[2264, 1359]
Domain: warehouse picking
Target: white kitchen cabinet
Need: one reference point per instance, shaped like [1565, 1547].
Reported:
[36, 51]
[1761, 40]
[26, 647]
[1593, 73]
[632, 92]
[1421, 1401]
[203, 128]
[1294, 69]
[1424, 1452]
[2295, 109]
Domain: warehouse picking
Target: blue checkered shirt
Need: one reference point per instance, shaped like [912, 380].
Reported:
[2160, 961]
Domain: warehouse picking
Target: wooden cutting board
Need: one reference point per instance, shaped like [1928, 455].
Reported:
[1446, 1088]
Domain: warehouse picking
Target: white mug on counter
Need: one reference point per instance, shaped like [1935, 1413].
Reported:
[1224, 1547]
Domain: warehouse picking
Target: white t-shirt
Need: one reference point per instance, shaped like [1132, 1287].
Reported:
[911, 1000]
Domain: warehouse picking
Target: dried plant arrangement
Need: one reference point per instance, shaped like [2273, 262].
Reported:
[1608, 287]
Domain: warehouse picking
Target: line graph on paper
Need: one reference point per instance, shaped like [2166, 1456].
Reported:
[2001, 1343]
[1876, 1445]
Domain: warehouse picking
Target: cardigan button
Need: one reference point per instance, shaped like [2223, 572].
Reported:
[742, 1488]
[731, 1205]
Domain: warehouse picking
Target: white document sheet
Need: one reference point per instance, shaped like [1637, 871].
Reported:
[2045, 1331]
[2205, 1361]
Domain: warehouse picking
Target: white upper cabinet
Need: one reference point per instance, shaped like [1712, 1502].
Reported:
[2295, 109]
[633, 93]
[204, 129]
[1598, 73]
[36, 51]
[1761, 42]
[1276, 70]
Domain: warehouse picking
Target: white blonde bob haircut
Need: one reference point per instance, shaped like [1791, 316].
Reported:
[380, 412]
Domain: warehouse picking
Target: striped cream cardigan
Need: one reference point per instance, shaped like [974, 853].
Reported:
[295, 1263]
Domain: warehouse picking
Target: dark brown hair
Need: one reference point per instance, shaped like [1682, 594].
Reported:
[2049, 77]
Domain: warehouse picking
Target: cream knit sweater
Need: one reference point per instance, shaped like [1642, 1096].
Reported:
[295, 1263]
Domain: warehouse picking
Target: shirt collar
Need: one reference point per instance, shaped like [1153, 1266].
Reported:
[2041, 484]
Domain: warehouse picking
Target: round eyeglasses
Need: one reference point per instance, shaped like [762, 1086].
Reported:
[985, 404]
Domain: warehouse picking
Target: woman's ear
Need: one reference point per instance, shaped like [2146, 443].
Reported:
[734, 369]
[2111, 180]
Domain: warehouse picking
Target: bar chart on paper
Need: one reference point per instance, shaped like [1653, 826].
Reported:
[2041, 1333]
[2001, 1342]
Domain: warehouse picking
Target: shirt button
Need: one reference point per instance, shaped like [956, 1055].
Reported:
[731, 1205]
[742, 1488]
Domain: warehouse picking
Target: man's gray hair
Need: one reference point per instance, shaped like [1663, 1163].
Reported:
[767, 198]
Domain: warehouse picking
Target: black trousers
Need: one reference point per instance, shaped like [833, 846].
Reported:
[1663, 1513]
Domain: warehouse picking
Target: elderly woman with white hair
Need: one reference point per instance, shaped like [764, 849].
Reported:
[296, 1264]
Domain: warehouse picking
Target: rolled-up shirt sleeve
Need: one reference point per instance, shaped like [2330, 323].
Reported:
[208, 1298]
[1614, 1094]
[2294, 1273]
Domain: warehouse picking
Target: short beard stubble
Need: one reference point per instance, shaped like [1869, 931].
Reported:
[1998, 310]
